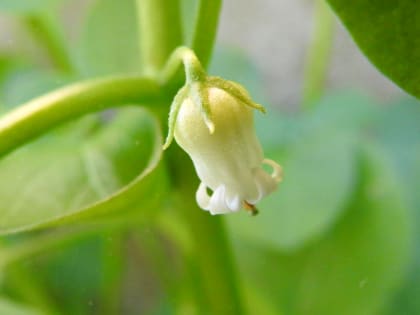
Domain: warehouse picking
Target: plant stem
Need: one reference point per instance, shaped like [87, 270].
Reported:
[41, 114]
[44, 33]
[182, 56]
[205, 31]
[159, 30]
[319, 54]
[211, 248]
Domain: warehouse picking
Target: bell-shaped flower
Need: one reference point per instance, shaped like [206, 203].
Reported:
[226, 153]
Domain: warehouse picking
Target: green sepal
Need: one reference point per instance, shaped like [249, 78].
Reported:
[173, 114]
[235, 90]
[200, 97]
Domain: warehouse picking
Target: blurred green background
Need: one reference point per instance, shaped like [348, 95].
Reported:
[339, 236]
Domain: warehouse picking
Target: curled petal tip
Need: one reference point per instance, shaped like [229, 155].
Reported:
[277, 173]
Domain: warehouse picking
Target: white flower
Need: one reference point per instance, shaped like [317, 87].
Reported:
[228, 160]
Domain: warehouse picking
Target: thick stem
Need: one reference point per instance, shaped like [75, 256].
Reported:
[211, 248]
[205, 31]
[319, 54]
[160, 31]
[41, 114]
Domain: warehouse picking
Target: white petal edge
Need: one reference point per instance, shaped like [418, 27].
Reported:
[218, 201]
[234, 202]
[265, 183]
[202, 197]
[277, 173]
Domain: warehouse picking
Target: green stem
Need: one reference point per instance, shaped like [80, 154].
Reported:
[194, 71]
[159, 30]
[211, 248]
[319, 54]
[41, 114]
[45, 34]
[205, 31]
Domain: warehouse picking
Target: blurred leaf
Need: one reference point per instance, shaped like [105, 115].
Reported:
[8, 307]
[6, 65]
[74, 275]
[258, 303]
[387, 31]
[356, 267]
[345, 110]
[26, 6]
[364, 261]
[66, 178]
[109, 39]
[25, 83]
[398, 129]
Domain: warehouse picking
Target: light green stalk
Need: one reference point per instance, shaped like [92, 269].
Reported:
[205, 31]
[159, 30]
[41, 114]
[319, 52]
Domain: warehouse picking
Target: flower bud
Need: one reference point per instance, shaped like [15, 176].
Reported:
[229, 158]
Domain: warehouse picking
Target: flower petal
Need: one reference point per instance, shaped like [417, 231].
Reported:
[218, 201]
[277, 173]
[265, 183]
[202, 197]
[234, 202]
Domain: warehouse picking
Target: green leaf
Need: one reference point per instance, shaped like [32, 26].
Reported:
[356, 267]
[25, 83]
[63, 178]
[345, 110]
[398, 130]
[109, 40]
[73, 275]
[387, 31]
[11, 308]
[7, 63]
[258, 303]
[363, 260]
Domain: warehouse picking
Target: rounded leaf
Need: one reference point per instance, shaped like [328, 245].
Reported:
[387, 31]
[73, 175]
